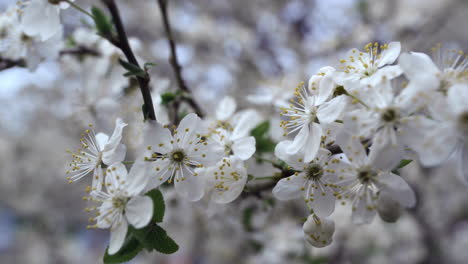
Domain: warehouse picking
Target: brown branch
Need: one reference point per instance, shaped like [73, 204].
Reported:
[175, 62]
[8, 63]
[122, 43]
[80, 51]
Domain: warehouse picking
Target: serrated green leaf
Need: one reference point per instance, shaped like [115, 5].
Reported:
[167, 98]
[129, 250]
[154, 237]
[261, 130]
[158, 204]
[103, 24]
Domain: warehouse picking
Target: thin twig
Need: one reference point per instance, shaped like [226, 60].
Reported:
[174, 60]
[80, 51]
[8, 63]
[122, 43]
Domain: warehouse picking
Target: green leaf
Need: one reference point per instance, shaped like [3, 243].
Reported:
[262, 141]
[149, 65]
[136, 73]
[247, 218]
[133, 70]
[261, 130]
[154, 237]
[103, 24]
[129, 250]
[403, 163]
[167, 98]
[264, 145]
[158, 204]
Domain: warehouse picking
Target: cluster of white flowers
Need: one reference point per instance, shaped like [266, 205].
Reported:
[347, 132]
[32, 31]
[352, 130]
[377, 121]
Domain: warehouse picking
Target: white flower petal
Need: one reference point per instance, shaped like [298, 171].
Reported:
[186, 131]
[106, 215]
[115, 177]
[433, 141]
[139, 211]
[116, 137]
[158, 172]
[458, 98]
[296, 161]
[192, 187]
[41, 19]
[332, 110]
[98, 179]
[244, 122]
[157, 138]
[235, 187]
[114, 155]
[364, 209]
[137, 178]
[244, 148]
[353, 148]
[384, 154]
[313, 142]
[323, 201]
[290, 187]
[397, 188]
[383, 74]
[420, 68]
[117, 237]
[389, 55]
[101, 140]
[299, 141]
[226, 108]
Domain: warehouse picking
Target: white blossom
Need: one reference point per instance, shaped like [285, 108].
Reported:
[362, 176]
[450, 68]
[370, 66]
[309, 114]
[226, 180]
[122, 203]
[319, 231]
[41, 18]
[434, 139]
[313, 180]
[95, 150]
[177, 158]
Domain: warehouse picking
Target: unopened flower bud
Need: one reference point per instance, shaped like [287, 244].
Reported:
[388, 209]
[319, 232]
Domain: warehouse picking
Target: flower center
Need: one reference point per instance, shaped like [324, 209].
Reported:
[366, 175]
[178, 156]
[119, 202]
[228, 149]
[55, 2]
[314, 172]
[389, 115]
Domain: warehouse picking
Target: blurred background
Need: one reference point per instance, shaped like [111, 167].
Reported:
[225, 47]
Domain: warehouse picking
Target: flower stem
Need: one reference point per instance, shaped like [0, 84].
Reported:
[79, 8]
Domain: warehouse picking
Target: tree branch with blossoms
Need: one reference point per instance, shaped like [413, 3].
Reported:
[340, 139]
